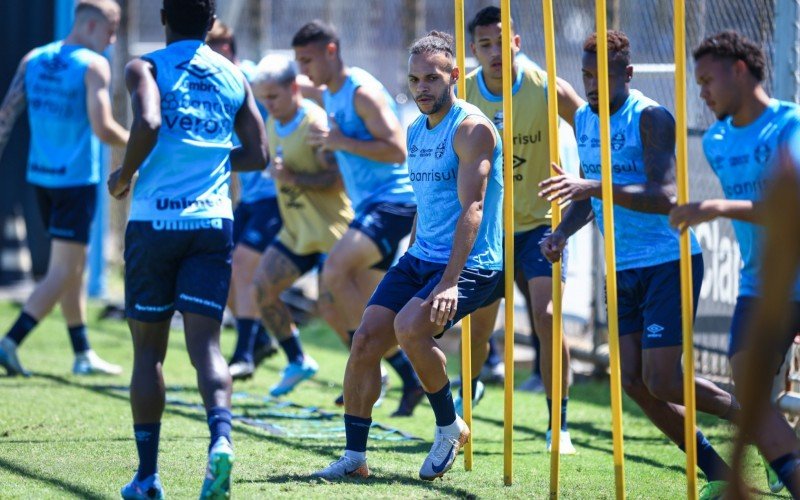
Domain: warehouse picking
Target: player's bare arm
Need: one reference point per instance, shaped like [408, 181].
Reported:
[98, 103]
[252, 154]
[146, 106]
[656, 195]
[568, 101]
[13, 104]
[325, 180]
[474, 143]
[388, 142]
[576, 215]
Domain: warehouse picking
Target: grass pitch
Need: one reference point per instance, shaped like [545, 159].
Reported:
[69, 437]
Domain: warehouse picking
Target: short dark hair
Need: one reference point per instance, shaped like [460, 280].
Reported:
[435, 42]
[487, 16]
[189, 17]
[315, 31]
[618, 45]
[734, 46]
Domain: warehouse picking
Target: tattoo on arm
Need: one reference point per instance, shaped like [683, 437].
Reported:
[13, 105]
[657, 195]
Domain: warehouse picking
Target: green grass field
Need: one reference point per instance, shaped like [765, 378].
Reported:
[67, 437]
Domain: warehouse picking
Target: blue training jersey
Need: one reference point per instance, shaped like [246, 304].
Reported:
[187, 174]
[641, 239]
[366, 181]
[742, 158]
[258, 185]
[433, 168]
[64, 151]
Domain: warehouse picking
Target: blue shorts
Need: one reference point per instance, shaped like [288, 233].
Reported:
[187, 269]
[304, 263]
[256, 224]
[649, 301]
[528, 256]
[386, 224]
[68, 212]
[741, 317]
[412, 277]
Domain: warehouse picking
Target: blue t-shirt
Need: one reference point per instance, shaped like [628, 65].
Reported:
[641, 239]
[187, 174]
[366, 181]
[257, 185]
[433, 168]
[742, 159]
[64, 151]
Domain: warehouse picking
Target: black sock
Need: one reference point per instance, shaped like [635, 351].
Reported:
[80, 342]
[219, 424]
[356, 430]
[147, 436]
[442, 405]
[22, 327]
[294, 351]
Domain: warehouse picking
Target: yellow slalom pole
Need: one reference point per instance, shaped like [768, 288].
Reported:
[508, 224]
[611, 263]
[466, 324]
[552, 115]
[682, 173]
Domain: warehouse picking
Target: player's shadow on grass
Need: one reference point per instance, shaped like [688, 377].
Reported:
[75, 489]
[437, 488]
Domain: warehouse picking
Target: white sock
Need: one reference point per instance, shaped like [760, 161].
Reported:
[452, 429]
[358, 456]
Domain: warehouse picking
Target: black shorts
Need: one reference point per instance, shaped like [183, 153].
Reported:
[68, 212]
[386, 224]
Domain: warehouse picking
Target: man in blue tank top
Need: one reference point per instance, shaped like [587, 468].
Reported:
[742, 148]
[187, 101]
[256, 222]
[365, 135]
[451, 268]
[643, 165]
[64, 86]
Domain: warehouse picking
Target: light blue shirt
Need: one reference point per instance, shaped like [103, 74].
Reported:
[433, 167]
[742, 159]
[63, 150]
[187, 174]
[366, 181]
[255, 186]
[641, 239]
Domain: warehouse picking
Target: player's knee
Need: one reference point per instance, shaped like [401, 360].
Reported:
[543, 320]
[663, 386]
[633, 385]
[363, 350]
[334, 274]
[406, 330]
[266, 291]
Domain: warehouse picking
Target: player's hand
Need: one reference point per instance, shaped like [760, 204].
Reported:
[443, 300]
[691, 214]
[279, 172]
[329, 138]
[564, 188]
[553, 246]
[117, 186]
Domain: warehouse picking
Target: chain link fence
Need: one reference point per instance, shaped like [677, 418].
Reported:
[376, 33]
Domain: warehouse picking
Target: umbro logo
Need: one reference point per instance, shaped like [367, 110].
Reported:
[198, 69]
[413, 150]
[655, 330]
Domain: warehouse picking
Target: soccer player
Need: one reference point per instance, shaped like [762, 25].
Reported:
[315, 210]
[742, 148]
[451, 268]
[64, 86]
[531, 213]
[364, 133]
[187, 100]
[648, 256]
[256, 222]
